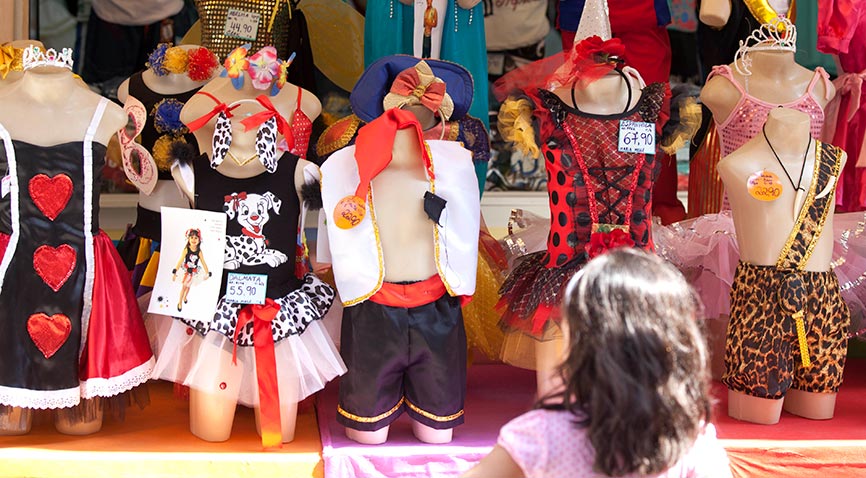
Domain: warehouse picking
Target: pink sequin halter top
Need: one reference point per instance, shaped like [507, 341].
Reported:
[750, 114]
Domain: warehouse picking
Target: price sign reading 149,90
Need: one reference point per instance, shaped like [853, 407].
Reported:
[637, 137]
[246, 288]
[242, 25]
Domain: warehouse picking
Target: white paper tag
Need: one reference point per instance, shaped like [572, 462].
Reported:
[637, 137]
[242, 25]
[4, 185]
[246, 288]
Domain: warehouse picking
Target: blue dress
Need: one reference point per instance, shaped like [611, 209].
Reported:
[463, 42]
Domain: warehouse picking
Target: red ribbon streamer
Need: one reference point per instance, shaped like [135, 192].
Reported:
[266, 367]
[203, 120]
[257, 119]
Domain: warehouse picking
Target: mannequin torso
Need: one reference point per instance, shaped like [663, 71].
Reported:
[763, 227]
[243, 142]
[41, 96]
[775, 79]
[406, 231]
[605, 96]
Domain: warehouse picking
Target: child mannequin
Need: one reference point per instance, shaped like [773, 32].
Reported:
[401, 273]
[62, 376]
[764, 228]
[587, 100]
[628, 317]
[261, 199]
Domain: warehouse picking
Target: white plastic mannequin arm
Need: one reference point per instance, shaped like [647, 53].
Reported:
[715, 13]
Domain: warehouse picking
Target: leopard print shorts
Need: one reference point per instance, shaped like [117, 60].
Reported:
[762, 354]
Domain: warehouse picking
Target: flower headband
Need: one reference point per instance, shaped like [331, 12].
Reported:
[589, 60]
[199, 63]
[419, 86]
[266, 71]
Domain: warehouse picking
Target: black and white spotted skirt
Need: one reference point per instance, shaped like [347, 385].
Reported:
[198, 352]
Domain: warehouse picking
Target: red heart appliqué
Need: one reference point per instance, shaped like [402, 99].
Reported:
[49, 333]
[50, 194]
[54, 264]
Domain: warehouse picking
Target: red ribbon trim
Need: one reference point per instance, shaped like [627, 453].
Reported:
[266, 367]
[259, 118]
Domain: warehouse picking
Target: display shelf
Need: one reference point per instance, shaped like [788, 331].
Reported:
[156, 442]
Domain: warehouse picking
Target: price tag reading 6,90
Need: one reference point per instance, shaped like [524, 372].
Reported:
[637, 137]
[246, 288]
[242, 25]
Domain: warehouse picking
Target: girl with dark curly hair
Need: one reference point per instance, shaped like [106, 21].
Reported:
[635, 396]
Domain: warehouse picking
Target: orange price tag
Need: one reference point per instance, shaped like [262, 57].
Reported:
[765, 186]
[349, 212]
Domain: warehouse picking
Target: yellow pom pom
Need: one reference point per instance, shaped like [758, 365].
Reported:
[176, 60]
[162, 151]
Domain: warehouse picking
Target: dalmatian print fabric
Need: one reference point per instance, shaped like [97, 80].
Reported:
[222, 140]
[266, 144]
[298, 309]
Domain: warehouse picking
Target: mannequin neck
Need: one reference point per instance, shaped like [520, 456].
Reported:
[426, 118]
[406, 152]
[770, 64]
[47, 85]
[788, 130]
[605, 95]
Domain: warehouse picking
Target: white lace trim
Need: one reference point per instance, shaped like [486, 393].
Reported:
[41, 399]
[70, 397]
[109, 387]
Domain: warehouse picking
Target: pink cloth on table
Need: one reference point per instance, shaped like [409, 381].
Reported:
[548, 444]
[494, 395]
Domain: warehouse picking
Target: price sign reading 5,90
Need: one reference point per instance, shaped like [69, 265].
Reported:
[637, 137]
[242, 25]
[246, 288]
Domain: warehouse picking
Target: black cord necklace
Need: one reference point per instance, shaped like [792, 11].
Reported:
[796, 187]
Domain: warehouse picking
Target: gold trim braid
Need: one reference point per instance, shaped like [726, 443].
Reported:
[432, 416]
[804, 209]
[377, 418]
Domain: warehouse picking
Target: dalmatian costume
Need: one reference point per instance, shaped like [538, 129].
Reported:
[263, 215]
[251, 247]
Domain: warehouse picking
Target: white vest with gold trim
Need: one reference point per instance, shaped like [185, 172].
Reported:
[356, 254]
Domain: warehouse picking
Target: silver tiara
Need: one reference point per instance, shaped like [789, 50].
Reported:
[778, 35]
[35, 56]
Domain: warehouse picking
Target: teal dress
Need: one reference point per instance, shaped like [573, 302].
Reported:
[463, 42]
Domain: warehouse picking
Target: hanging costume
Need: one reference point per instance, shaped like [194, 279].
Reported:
[842, 32]
[71, 328]
[789, 326]
[403, 344]
[390, 29]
